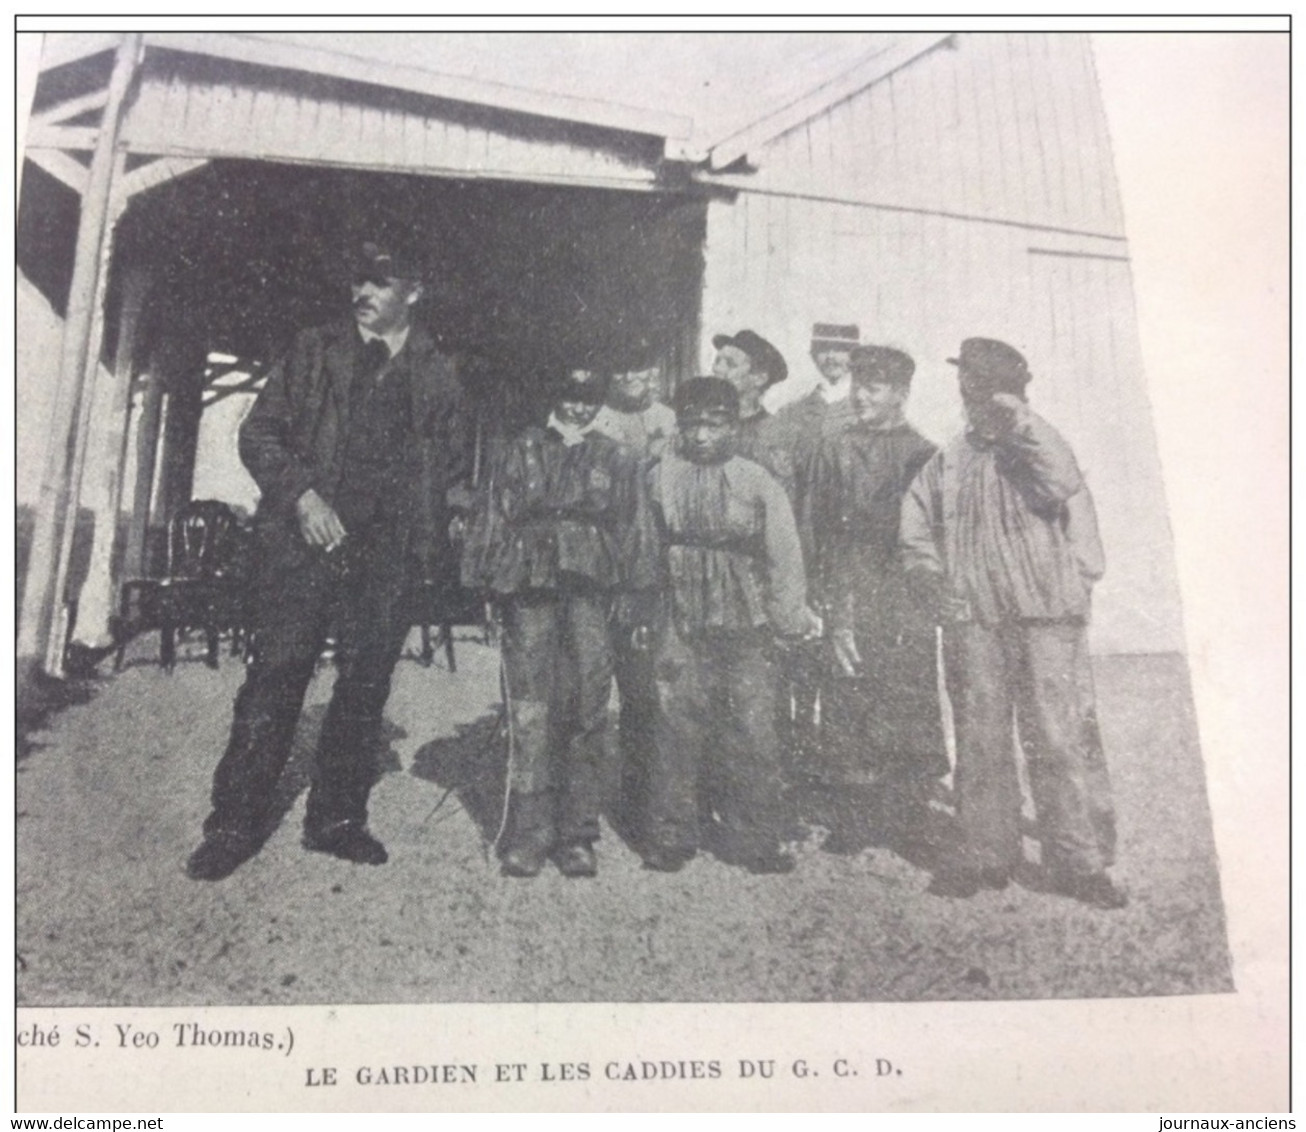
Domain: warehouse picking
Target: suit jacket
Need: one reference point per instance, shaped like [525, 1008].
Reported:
[294, 437]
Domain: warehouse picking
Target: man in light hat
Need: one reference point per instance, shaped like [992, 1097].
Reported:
[558, 537]
[826, 410]
[798, 428]
[354, 442]
[883, 736]
[998, 539]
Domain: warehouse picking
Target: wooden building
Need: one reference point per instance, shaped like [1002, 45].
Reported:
[187, 197]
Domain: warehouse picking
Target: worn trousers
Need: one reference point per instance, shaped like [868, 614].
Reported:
[886, 723]
[716, 755]
[633, 667]
[1024, 682]
[557, 664]
[362, 596]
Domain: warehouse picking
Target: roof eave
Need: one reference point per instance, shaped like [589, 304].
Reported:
[901, 52]
[296, 57]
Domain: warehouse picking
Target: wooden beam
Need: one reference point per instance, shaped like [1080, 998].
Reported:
[639, 180]
[59, 48]
[159, 172]
[41, 136]
[62, 167]
[215, 393]
[52, 115]
[43, 619]
[883, 63]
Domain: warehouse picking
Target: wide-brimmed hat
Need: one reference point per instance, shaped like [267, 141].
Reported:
[882, 363]
[761, 353]
[990, 362]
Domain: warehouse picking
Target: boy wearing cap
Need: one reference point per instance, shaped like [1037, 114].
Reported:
[881, 716]
[991, 540]
[733, 579]
[354, 442]
[752, 365]
[557, 536]
[632, 413]
[633, 416]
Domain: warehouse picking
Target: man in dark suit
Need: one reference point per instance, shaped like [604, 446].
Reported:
[354, 443]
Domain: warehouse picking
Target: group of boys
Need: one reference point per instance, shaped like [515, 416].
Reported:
[699, 557]
[696, 555]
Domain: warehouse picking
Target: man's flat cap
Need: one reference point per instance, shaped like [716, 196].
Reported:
[992, 362]
[882, 363]
[761, 353]
[375, 259]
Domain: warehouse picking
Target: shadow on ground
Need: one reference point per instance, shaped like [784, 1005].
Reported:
[470, 765]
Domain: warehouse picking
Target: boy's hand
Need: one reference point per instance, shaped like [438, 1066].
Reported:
[1008, 412]
[815, 625]
[845, 652]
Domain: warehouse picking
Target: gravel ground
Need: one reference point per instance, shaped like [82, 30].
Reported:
[112, 792]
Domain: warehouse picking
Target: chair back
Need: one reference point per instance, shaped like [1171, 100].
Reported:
[203, 540]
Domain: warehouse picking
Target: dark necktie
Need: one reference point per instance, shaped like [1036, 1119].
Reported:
[375, 355]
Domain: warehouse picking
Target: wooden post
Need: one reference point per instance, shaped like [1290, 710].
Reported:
[147, 446]
[43, 617]
[97, 601]
[182, 425]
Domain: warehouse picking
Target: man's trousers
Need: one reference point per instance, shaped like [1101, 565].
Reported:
[361, 596]
[1028, 676]
[557, 665]
[716, 755]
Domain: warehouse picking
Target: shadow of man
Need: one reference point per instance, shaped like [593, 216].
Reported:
[472, 766]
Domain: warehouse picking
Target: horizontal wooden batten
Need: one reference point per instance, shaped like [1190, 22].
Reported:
[1067, 253]
[742, 185]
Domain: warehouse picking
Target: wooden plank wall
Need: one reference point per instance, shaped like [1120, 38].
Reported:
[189, 106]
[998, 216]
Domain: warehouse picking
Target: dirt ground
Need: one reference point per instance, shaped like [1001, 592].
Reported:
[111, 793]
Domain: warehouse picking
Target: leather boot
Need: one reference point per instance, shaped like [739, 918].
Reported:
[528, 836]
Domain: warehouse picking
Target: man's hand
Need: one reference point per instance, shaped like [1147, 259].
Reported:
[815, 625]
[845, 652]
[1008, 413]
[318, 522]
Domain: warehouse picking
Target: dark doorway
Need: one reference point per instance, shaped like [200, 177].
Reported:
[524, 278]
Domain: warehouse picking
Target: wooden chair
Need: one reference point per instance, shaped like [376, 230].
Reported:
[442, 607]
[206, 584]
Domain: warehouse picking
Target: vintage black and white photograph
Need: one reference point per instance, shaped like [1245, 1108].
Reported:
[593, 517]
